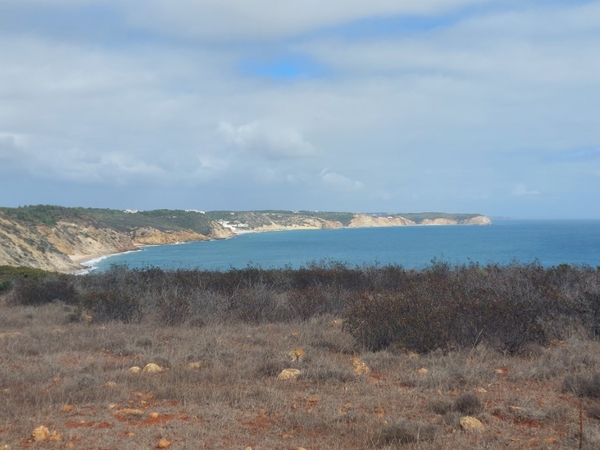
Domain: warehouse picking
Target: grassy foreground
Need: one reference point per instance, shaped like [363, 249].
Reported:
[386, 358]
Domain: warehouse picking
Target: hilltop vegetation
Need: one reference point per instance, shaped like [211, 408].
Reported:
[161, 219]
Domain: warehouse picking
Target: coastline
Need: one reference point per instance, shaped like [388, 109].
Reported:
[88, 262]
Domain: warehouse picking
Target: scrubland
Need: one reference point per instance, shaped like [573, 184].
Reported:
[384, 358]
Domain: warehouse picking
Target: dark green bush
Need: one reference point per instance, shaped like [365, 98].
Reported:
[5, 286]
[108, 305]
[42, 290]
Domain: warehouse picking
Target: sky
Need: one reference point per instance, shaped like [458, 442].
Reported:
[487, 106]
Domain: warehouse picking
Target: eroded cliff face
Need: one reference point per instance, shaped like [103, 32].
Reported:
[152, 236]
[479, 220]
[367, 221]
[301, 223]
[62, 247]
[22, 246]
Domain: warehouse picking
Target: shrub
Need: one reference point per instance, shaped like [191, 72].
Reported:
[42, 290]
[583, 386]
[407, 432]
[468, 404]
[107, 305]
[593, 411]
[173, 308]
[5, 286]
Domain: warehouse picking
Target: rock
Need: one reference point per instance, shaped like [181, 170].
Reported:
[67, 408]
[134, 369]
[41, 433]
[154, 415]
[110, 384]
[297, 355]
[195, 365]
[288, 374]
[360, 367]
[163, 443]
[423, 371]
[55, 437]
[5, 447]
[152, 368]
[469, 423]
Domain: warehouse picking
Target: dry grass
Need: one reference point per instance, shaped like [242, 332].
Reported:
[234, 400]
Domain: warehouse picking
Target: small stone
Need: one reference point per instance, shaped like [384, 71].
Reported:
[152, 368]
[112, 406]
[163, 443]
[195, 365]
[153, 415]
[55, 437]
[297, 355]
[360, 367]
[423, 371]
[481, 390]
[288, 374]
[134, 369]
[413, 355]
[130, 434]
[469, 423]
[295, 335]
[41, 433]
[547, 441]
[110, 384]
[5, 447]
[67, 408]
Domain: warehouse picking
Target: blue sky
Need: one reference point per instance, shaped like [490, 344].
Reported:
[389, 105]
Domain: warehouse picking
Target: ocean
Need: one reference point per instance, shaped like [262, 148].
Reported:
[548, 243]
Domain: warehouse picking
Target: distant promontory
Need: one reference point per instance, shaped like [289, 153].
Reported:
[59, 239]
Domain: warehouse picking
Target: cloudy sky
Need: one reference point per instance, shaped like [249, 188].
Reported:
[488, 106]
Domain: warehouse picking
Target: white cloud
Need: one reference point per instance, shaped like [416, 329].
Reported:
[267, 140]
[339, 182]
[521, 190]
[471, 101]
[262, 19]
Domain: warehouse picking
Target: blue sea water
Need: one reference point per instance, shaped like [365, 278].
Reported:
[548, 242]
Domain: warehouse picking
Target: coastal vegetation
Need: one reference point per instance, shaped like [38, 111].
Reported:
[381, 357]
